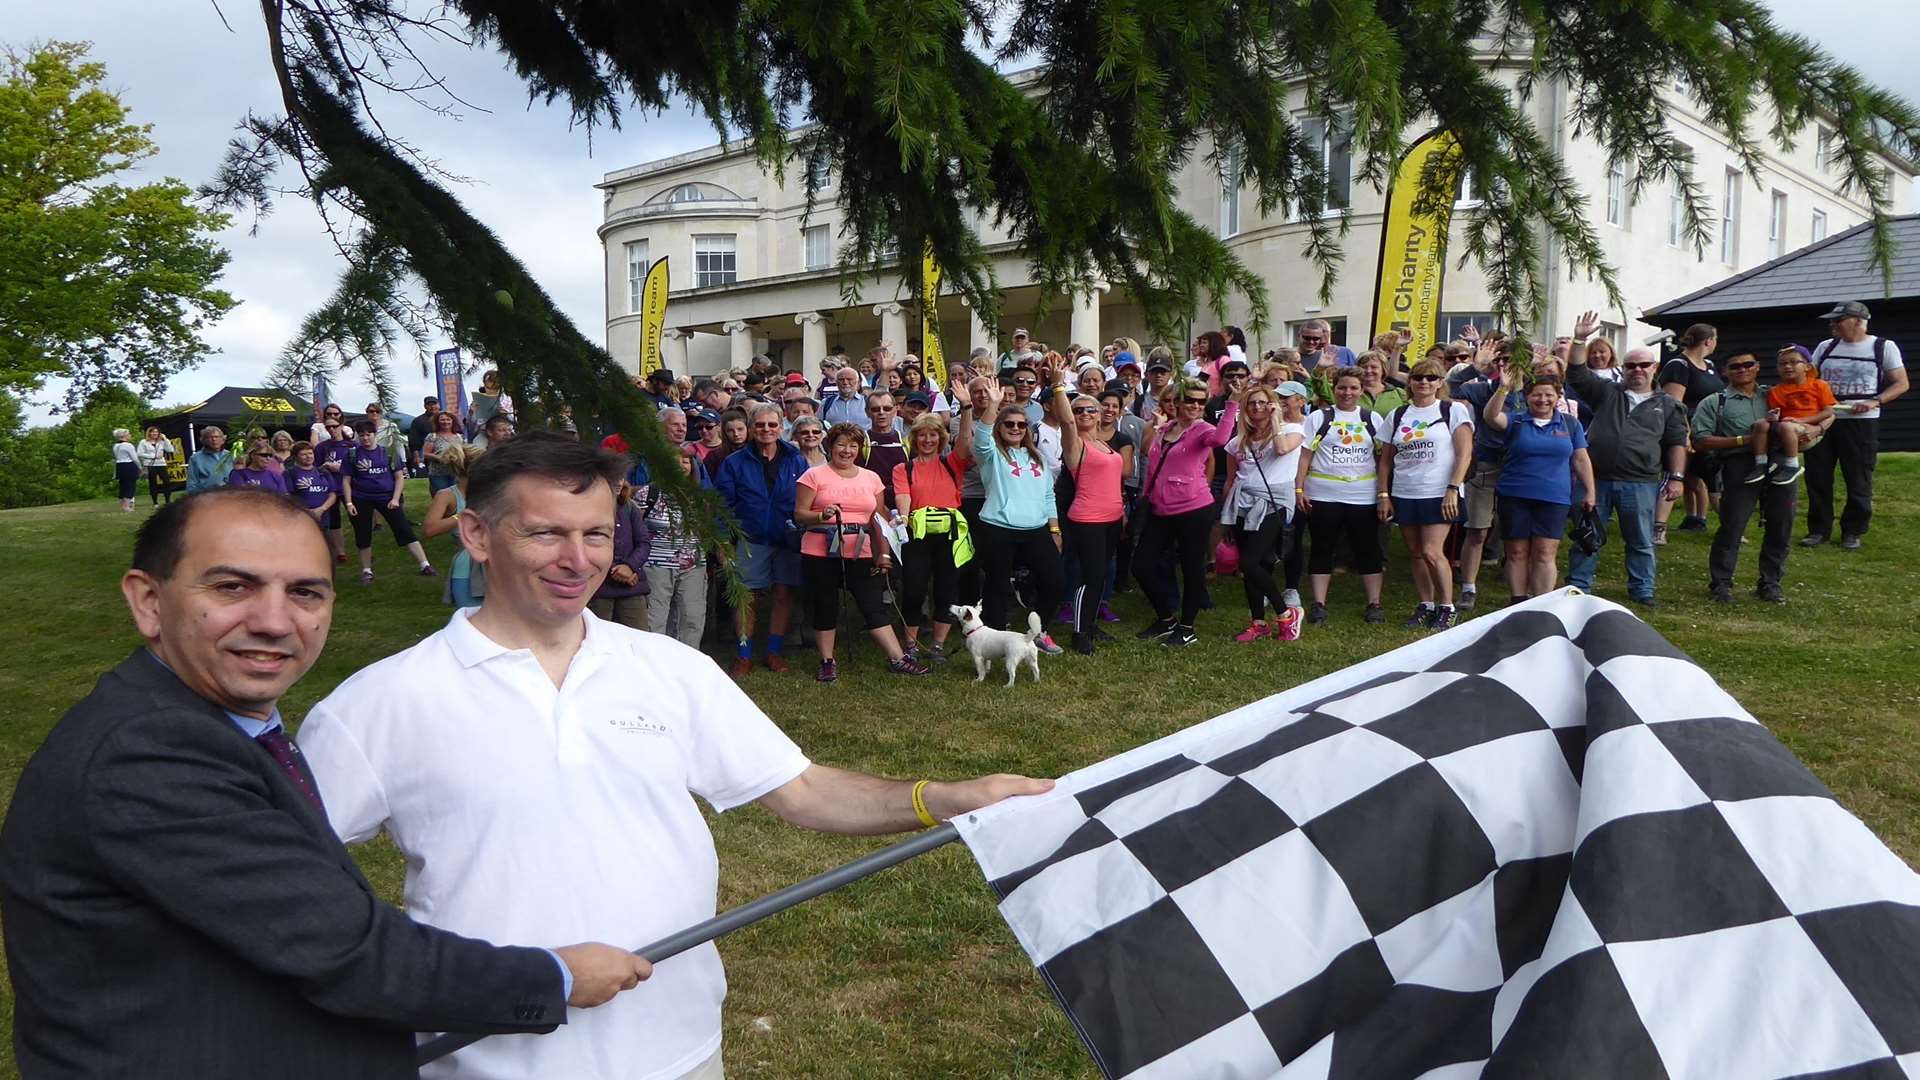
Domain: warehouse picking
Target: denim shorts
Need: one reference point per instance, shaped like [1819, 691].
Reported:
[765, 565]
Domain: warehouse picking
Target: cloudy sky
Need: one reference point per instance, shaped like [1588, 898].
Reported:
[190, 76]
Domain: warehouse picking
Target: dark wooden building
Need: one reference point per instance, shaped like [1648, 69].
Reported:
[1781, 302]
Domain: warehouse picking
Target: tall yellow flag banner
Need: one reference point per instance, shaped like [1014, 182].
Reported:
[932, 360]
[653, 317]
[1413, 251]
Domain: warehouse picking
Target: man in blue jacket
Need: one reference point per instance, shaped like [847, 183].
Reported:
[758, 484]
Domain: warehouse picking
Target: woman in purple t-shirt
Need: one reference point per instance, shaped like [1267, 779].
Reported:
[312, 485]
[368, 487]
[258, 473]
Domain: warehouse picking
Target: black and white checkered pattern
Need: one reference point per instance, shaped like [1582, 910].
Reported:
[1543, 844]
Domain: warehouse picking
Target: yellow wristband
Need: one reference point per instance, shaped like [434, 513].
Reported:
[920, 804]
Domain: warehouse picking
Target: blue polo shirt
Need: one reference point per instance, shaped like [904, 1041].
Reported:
[1540, 457]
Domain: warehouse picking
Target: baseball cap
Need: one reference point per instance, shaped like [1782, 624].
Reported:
[661, 375]
[1123, 358]
[794, 378]
[1160, 365]
[920, 398]
[1234, 365]
[1850, 309]
[1021, 331]
[1290, 388]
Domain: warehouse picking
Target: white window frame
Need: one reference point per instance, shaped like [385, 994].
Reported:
[1450, 323]
[1676, 211]
[821, 175]
[1616, 206]
[1777, 225]
[636, 274]
[1730, 218]
[1819, 225]
[1339, 182]
[1823, 146]
[716, 259]
[1232, 168]
[807, 237]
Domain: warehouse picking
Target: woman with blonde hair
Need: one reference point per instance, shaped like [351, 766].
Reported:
[1098, 509]
[1424, 459]
[926, 492]
[1179, 515]
[466, 581]
[126, 466]
[1019, 523]
[1259, 503]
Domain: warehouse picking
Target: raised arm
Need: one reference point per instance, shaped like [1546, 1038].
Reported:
[1060, 401]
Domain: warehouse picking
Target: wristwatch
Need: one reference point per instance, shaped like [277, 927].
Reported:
[1678, 478]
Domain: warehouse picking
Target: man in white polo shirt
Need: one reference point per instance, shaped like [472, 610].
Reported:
[536, 766]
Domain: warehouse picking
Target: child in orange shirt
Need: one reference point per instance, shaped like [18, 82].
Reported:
[1799, 411]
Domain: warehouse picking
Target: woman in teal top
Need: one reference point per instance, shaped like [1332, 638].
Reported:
[1019, 525]
[466, 582]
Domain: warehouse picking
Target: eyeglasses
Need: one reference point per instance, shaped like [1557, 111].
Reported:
[767, 426]
[1313, 341]
[1638, 366]
[1234, 375]
[1026, 382]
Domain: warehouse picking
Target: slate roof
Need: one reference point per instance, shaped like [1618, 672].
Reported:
[1834, 269]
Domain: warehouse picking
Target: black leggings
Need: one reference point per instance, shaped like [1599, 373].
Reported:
[928, 574]
[159, 484]
[1329, 521]
[1002, 550]
[128, 473]
[396, 523]
[1273, 542]
[1092, 545]
[1168, 541]
[827, 575]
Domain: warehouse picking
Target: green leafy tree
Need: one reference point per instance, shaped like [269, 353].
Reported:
[68, 461]
[924, 133]
[100, 282]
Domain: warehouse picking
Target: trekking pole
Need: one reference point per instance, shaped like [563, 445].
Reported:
[746, 914]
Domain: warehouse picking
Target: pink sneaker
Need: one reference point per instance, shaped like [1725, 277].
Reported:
[1287, 626]
[1254, 632]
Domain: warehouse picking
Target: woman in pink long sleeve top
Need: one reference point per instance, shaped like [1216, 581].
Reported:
[1180, 510]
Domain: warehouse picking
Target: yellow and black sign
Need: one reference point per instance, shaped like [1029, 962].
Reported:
[653, 317]
[1413, 249]
[933, 362]
[267, 404]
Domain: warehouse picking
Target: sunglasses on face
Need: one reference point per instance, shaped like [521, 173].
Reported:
[767, 426]
[1200, 401]
[1313, 341]
[1085, 412]
[1014, 425]
[1026, 382]
[1638, 366]
[1423, 378]
[1743, 366]
[1234, 375]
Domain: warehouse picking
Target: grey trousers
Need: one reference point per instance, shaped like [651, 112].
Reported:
[677, 602]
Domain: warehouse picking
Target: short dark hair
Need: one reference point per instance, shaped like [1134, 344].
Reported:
[550, 455]
[498, 418]
[162, 538]
[366, 427]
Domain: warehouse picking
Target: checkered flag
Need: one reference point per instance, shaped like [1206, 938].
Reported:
[1543, 844]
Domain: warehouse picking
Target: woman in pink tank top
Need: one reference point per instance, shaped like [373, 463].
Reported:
[1094, 520]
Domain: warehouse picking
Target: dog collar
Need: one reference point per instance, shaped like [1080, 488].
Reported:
[969, 633]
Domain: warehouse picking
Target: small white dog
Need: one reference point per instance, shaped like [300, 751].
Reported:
[1010, 646]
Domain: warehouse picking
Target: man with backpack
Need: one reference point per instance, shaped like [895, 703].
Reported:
[1638, 442]
[1866, 372]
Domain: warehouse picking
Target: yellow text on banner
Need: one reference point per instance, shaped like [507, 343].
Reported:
[1413, 248]
[933, 361]
[653, 317]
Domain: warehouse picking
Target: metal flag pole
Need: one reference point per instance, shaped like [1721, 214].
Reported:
[751, 912]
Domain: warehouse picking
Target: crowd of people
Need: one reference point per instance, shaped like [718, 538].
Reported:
[1054, 479]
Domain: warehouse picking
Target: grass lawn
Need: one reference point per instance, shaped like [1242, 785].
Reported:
[912, 973]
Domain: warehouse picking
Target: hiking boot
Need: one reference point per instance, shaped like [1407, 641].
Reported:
[1083, 644]
[906, 666]
[1180, 638]
[1254, 631]
[742, 667]
[829, 672]
[1287, 627]
[1443, 619]
[1849, 543]
[1720, 594]
[1770, 592]
[778, 664]
[1422, 616]
[1813, 539]
[1787, 474]
[1317, 614]
[1468, 596]
[1158, 628]
[1375, 614]
[1047, 645]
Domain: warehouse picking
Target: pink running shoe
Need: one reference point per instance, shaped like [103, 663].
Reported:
[1287, 626]
[1254, 632]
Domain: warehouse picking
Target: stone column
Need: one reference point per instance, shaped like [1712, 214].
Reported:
[979, 334]
[893, 325]
[740, 337]
[1084, 326]
[813, 341]
[673, 350]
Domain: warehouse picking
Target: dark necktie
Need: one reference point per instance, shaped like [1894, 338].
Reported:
[288, 758]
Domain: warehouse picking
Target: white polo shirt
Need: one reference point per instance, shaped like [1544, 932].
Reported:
[531, 815]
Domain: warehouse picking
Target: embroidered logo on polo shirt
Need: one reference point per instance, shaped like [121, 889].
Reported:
[639, 725]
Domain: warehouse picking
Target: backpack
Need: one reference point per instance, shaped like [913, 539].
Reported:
[1446, 414]
[1821, 351]
[1367, 417]
[946, 463]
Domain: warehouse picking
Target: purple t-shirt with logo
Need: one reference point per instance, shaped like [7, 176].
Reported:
[371, 472]
[334, 451]
[260, 478]
[313, 486]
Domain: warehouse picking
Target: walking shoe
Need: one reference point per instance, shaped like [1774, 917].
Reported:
[1106, 613]
[1287, 627]
[366, 577]
[1691, 523]
[1317, 614]
[1422, 615]
[829, 672]
[1101, 635]
[1659, 534]
[1761, 472]
[1047, 645]
[906, 666]
[1721, 594]
[1466, 596]
[1181, 637]
[1083, 644]
[938, 655]
[1643, 601]
[1787, 474]
[1064, 614]
[742, 667]
[1770, 592]
[1849, 543]
[777, 664]
[1158, 628]
[1813, 539]
[912, 652]
[1255, 630]
[341, 558]
[1375, 614]
[1443, 619]
[427, 570]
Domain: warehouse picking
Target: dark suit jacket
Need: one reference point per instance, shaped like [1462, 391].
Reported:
[175, 907]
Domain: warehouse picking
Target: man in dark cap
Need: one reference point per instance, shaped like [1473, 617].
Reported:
[1866, 372]
[660, 388]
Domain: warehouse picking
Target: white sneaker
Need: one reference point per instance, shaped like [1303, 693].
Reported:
[1291, 598]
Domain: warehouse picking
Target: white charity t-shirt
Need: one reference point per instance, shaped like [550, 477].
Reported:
[1344, 467]
[1264, 471]
[1423, 457]
[1849, 370]
[536, 815]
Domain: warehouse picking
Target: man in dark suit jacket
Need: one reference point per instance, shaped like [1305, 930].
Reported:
[175, 902]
